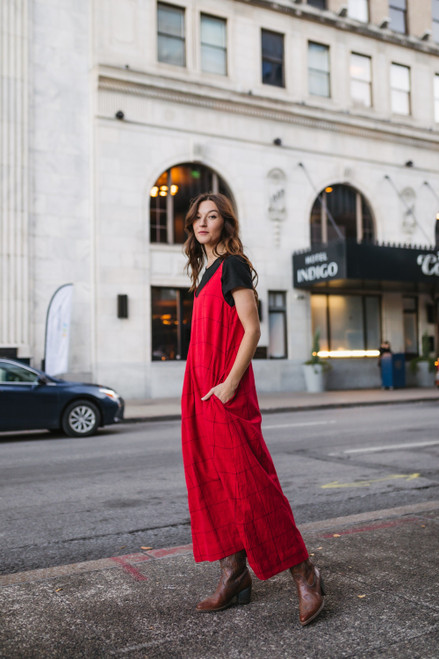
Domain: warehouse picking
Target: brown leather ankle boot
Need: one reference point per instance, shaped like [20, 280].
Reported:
[235, 584]
[310, 590]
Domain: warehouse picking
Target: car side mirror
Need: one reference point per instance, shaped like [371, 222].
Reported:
[42, 380]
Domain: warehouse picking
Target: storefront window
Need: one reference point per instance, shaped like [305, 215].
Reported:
[171, 312]
[277, 322]
[345, 208]
[170, 197]
[347, 322]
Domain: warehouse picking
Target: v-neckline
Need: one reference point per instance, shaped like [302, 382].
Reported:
[208, 274]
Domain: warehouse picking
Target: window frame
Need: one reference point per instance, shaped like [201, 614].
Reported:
[318, 2]
[436, 97]
[367, 6]
[224, 49]
[271, 59]
[364, 321]
[360, 80]
[399, 90]
[181, 350]
[274, 309]
[181, 10]
[168, 216]
[399, 11]
[435, 20]
[321, 71]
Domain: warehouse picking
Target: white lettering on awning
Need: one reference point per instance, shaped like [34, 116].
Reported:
[429, 264]
[315, 272]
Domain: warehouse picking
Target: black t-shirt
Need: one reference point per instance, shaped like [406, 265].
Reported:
[236, 274]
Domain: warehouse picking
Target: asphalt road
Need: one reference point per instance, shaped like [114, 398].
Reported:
[68, 500]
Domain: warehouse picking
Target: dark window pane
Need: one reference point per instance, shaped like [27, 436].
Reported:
[171, 313]
[272, 58]
[340, 202]
[319, 4]
[171, 195]
[397, 20]
[164, 323]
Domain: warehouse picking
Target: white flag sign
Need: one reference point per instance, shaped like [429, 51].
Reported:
[56, 355]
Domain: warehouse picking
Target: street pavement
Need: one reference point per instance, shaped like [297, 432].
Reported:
[380, 570]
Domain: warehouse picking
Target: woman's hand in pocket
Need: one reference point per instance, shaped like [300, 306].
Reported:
[223, 391]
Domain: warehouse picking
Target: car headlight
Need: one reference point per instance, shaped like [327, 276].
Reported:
[110, 393]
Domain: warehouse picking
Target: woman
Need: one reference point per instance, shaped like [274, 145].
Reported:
[238, 510]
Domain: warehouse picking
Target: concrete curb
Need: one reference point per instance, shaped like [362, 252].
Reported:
[343, 525]
[295, 408]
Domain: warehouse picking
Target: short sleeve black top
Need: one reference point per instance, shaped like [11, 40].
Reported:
[236, 274]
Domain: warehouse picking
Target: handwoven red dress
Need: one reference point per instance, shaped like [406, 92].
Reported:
[235, 498]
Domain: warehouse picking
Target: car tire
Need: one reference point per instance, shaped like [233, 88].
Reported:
[81, 419]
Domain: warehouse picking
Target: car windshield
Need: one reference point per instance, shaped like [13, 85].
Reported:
[15, 373]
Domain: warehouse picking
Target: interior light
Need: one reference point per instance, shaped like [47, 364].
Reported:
[154, 191]
[328, 189]
[437, 217]
[348, 353]
[174, 189]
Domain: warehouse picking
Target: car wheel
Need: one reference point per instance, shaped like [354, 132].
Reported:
[80, 419]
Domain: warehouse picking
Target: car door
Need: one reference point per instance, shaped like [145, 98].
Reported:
[26, 401]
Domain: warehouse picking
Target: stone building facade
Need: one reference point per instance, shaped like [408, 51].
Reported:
[123, 109]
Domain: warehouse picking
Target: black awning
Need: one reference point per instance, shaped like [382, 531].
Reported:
[350, 262]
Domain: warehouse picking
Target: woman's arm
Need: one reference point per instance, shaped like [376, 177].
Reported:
[247, 311]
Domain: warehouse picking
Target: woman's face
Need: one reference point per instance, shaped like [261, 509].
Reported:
[208, 224]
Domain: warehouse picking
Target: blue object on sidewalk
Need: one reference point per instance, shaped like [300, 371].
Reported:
[393, 370]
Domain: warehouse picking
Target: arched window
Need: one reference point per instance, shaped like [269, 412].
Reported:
[343, 207]
[170, 197]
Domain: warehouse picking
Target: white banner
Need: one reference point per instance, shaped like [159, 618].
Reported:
[56, 353]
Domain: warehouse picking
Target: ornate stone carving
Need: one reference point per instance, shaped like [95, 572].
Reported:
[277, 210]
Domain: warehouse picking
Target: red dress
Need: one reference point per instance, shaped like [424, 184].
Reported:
[235, 498]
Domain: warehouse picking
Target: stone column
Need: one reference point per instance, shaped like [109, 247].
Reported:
[14, 232]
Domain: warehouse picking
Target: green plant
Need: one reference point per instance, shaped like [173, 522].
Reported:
[424, 356]
[315, 359]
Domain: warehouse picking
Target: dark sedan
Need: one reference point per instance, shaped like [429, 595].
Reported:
[31, 399]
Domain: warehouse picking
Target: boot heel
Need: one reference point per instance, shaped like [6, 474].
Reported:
[322, 587]
[245, 595]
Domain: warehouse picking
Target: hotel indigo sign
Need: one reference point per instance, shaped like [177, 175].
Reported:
[365, 262]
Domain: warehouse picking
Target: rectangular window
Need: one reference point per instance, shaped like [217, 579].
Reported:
[213, 45]
[435, 20]
[277, 324]
[361, 80]
[398, 15]
[318, 4]
[347, 322]
[436, 97]
[359, 9]
[171, 46]
[318, 69]
[272, 58]
[400, 89]
[171, 313]
[410, 310]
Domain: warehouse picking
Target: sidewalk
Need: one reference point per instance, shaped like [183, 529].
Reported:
[155, 409]
[380, 571]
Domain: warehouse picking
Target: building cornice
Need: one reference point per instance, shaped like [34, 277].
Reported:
[136, 84]
[344, 23]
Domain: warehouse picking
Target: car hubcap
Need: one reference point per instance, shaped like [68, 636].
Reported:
[82, 419]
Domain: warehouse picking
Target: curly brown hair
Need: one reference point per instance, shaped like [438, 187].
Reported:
[229, 240]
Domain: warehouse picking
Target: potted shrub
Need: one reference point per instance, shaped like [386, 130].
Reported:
[423, 366]
[315, 369]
